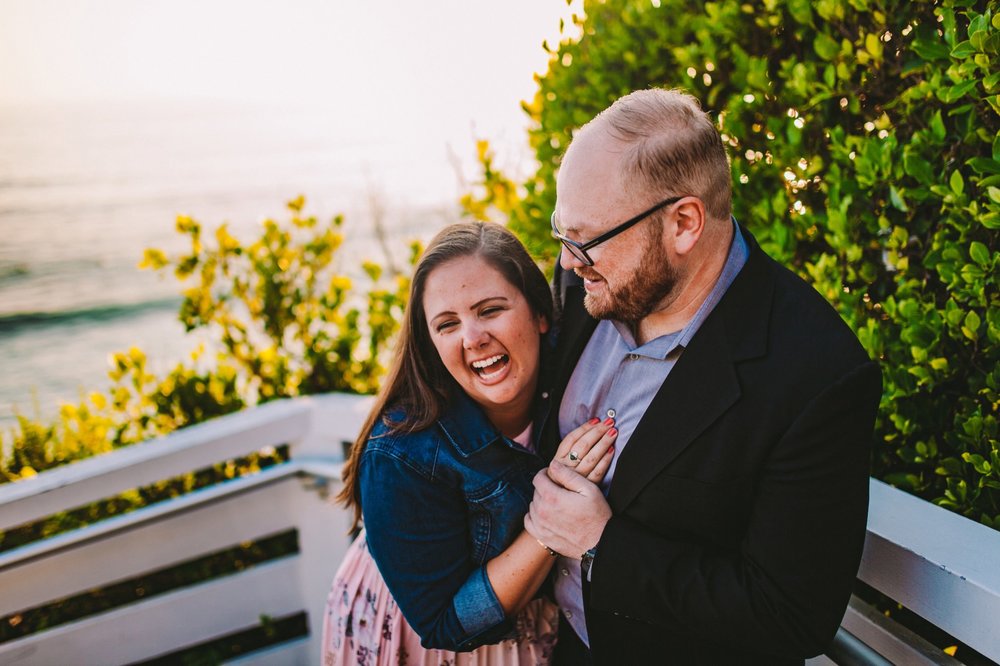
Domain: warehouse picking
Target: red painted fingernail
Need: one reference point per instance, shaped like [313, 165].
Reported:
[613, 432]
[608, 421]
[594, 421]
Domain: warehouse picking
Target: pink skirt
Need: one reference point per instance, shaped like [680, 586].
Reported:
[363, 626]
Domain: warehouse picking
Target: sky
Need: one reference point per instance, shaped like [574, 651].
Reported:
[437, 66]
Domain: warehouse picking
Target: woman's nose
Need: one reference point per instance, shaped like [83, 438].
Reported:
[475, 336]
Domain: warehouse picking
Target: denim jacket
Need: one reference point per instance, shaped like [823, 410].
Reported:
[437, 505]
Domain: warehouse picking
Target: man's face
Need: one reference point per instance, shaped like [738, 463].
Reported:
[632, 274]
[629, 295]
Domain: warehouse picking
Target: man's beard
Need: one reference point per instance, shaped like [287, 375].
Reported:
[652, 282]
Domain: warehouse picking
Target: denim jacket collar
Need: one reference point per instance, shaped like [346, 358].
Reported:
[466, 426]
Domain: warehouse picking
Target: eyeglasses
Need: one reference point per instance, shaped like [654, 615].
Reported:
[579, 250]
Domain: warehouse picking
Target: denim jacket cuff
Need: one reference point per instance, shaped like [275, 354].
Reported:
[479, 611]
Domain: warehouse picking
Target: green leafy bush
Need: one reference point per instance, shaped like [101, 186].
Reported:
[865, 155]
[282, 319]
[279, 321]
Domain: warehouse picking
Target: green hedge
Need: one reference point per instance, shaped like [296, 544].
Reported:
[865, 155]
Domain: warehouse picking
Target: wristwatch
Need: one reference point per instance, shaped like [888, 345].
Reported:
[586, 560]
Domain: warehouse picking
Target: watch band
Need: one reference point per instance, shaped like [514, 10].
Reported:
[586, 561]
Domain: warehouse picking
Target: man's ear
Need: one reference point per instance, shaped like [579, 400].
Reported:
[689, 224]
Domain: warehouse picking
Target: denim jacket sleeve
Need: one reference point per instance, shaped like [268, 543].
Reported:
[417, 533]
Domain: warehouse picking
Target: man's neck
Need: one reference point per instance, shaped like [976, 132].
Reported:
[680, 306]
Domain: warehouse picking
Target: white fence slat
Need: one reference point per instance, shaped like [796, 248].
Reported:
[152, 539]
[164, 624]
[292, 653]
[940, 565]
[333, 418]
[323, 540]
[124, 521]
[890, 639]
[183, 451]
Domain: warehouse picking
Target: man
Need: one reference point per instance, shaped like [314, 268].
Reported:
[730, 526]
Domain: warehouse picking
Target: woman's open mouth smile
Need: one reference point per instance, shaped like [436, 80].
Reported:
[492, 368]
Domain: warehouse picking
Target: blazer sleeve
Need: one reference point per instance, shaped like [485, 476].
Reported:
[784, 590]
[417, 533]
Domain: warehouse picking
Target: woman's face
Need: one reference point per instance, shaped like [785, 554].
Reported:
[487, 337]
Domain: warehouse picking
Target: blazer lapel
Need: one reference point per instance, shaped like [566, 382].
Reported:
[703, 384]
[697, 391]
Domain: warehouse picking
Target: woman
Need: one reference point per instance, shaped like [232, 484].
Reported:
[442, 471]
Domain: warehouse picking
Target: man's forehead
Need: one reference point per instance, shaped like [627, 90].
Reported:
[593, 155]
[584, 221]
[586, 199]
[594, 142]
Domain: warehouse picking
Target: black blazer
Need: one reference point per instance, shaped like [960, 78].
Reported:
[740, 501]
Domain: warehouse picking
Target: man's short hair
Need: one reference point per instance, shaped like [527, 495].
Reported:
[673, 147]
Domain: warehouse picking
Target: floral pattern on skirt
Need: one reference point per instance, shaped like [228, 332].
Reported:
[362, 626]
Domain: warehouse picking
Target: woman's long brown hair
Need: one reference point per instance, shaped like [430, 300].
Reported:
[417, 382]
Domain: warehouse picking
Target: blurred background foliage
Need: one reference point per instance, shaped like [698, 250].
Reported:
[865, 155]
[276, 319]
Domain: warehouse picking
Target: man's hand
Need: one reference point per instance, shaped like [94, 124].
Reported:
[568, 512]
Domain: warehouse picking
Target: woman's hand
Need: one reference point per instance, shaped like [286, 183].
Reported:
[589, 449]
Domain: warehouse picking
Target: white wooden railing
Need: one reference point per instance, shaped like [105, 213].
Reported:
[940, 565]
[280, 498]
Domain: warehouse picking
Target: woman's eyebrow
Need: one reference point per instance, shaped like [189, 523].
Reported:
[475, 305]
[486, 300]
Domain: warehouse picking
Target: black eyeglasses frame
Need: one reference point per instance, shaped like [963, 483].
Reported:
[579, 250]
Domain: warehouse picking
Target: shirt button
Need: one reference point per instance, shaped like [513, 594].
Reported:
[611, 413]
[545, 395]
[569, 614]
[634, 357]
[564, 571]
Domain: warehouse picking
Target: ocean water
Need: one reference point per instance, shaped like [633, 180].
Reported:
[84, 189]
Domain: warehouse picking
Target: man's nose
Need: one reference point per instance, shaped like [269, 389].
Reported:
[568, 260]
